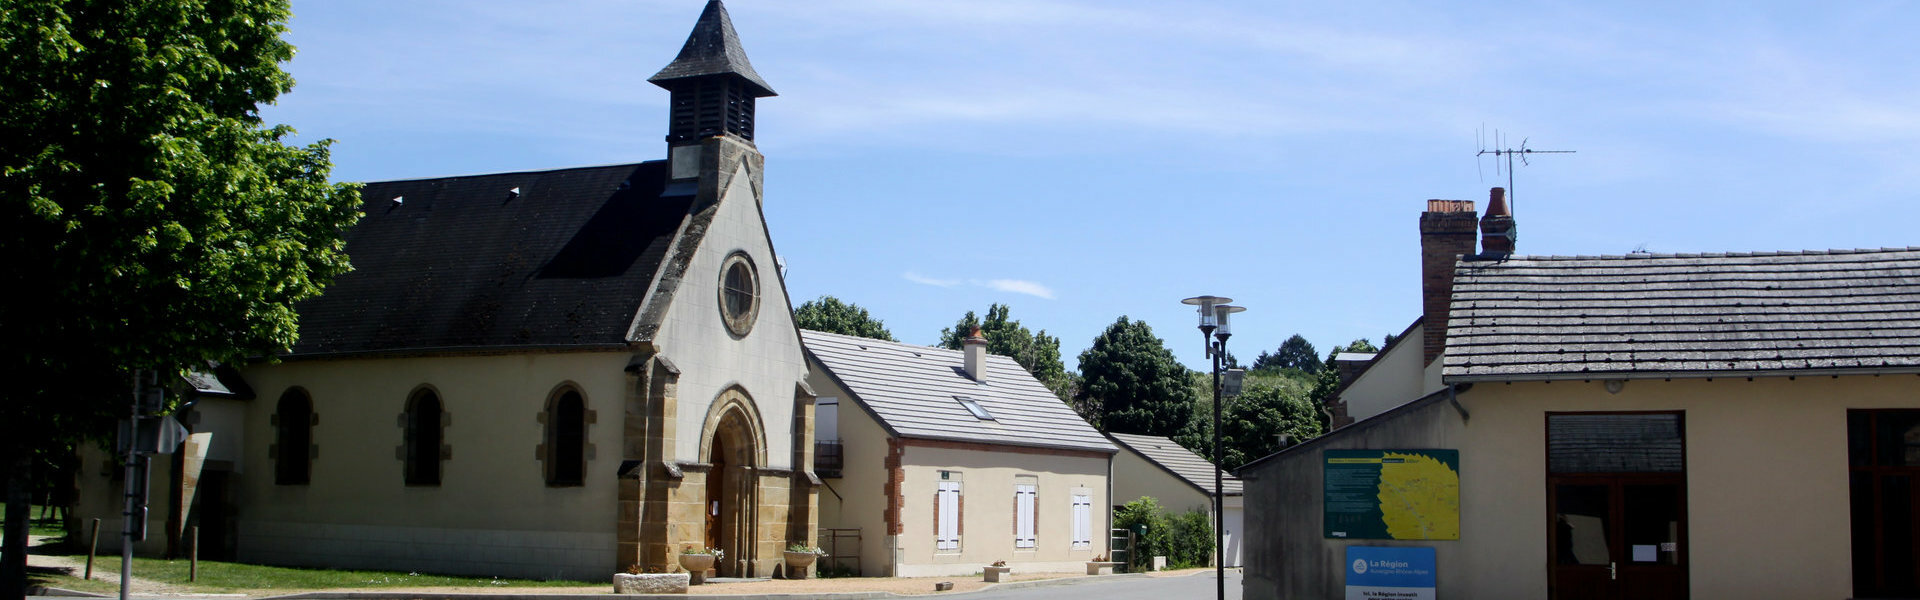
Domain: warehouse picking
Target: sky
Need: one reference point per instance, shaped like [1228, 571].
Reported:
[1083, 160]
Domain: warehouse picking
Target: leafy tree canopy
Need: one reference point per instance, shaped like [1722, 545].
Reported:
[1131, 383]
[1295, 353]
[153, 221]
[1272, 404]
[829, 314]
[1037, 352]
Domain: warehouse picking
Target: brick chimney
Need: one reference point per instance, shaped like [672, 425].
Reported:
[1497, 233]
[976, 349]
[1446, 233]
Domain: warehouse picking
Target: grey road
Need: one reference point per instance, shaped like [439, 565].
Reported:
[1196, 587]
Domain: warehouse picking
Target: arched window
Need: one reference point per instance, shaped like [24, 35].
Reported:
[293, 440]
[566, 448]
[424, 435]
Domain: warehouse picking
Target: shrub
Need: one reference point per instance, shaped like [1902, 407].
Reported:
[1191, 540]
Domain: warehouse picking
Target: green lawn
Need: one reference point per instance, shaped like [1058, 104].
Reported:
[39, 527]
[215, 577]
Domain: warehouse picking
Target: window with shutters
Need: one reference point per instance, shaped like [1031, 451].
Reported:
[293, 448]
[946, 509]
[1082, 520]
[424, 447]
[1024, 495]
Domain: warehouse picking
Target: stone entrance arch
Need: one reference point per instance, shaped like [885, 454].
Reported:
[733, 442]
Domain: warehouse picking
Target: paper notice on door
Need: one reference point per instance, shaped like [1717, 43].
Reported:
[1646, 553]
[1669, 547]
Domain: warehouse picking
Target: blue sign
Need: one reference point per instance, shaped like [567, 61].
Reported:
[1401, 573]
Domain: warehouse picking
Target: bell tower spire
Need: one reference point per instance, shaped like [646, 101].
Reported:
[712, 83]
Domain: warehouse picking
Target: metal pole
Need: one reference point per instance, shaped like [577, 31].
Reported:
[193, 559]
[127, 514]
[1219, 539]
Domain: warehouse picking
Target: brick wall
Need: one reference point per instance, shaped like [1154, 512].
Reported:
[1447, 232]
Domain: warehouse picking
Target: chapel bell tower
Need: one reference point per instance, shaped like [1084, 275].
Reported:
[713, 88]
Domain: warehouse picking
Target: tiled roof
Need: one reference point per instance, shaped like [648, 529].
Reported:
[712, 49]
[463, 262]
[1178, 460]
[1685, 315]
[911, 390]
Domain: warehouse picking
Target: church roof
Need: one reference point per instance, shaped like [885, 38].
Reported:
[914, 392]
[712, 49]
[1685, 315]
[560, 258]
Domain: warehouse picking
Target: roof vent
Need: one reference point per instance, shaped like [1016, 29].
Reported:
[513, 193]
[399, 200]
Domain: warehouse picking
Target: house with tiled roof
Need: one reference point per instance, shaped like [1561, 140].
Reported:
[947, 461]
[1180, 481]
[1713, 425]
[557, 373]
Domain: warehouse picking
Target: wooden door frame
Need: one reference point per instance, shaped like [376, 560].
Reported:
[1616, 482]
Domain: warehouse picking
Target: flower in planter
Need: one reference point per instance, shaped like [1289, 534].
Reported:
[716, 552]
[803, 548]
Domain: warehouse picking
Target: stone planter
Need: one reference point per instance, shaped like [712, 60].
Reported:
[696, 566]
[650, 583]
[996, 574]
[1101, 567]
[799, 564]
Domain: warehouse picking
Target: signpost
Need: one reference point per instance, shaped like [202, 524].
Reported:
[1398, 573]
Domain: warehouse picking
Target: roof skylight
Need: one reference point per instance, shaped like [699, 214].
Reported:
[973, 406]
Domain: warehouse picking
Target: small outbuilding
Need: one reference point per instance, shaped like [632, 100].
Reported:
[1157, 467]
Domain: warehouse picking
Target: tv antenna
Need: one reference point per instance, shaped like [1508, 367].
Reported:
[1502, 150]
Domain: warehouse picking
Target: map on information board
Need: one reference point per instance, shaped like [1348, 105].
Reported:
[1392, 494]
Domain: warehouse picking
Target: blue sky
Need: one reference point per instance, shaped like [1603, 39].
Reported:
[1081, 160]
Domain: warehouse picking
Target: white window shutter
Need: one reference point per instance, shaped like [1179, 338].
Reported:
[948, 537]
[1082, 521]
[1023, 519]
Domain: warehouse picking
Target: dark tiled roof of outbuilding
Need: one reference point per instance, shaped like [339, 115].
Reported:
[911, 390]
[463, 263]
[1179, 461]
[1685, 315]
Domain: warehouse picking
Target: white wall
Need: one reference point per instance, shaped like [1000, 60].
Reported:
[1396, 377]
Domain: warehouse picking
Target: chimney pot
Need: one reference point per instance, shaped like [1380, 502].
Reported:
[975, 348]
[1497, 232]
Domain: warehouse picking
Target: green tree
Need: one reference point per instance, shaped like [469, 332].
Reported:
[1190, 539]
[1145, 513]
[1252, 425]
[829, 314]
[1295, 353]
[1036, 352]
[153, 220]
[1131, 383]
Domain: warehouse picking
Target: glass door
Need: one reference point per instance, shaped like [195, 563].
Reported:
[1617, 537]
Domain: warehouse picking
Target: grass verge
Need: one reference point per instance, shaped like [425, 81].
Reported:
[228, 577]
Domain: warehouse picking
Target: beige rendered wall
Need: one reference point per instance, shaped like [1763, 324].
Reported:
[857, 499]
[1396, 377]
[1767, 485]
[767, 362]
[493, 513]
[1134, 476]
[986, 530]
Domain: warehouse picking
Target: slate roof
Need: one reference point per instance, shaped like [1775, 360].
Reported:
[911, 391]
[462, 263]
[1685, 315]
[712, 49]
[1179, 461]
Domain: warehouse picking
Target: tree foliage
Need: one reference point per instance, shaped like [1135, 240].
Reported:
[1131, 383]
[1036, 352]
[153, 220]
[1185, 539]
[1251, 425]
[1295, 353]
[829, 314]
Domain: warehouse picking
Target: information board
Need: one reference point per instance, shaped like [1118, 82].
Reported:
[1392, 494]
[1376, 573]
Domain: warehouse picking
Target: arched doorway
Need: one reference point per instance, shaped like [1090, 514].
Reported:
[734, 453]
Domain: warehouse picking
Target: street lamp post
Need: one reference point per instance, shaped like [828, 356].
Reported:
[1214, 331]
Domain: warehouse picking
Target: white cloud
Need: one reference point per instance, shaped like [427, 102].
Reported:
[924, 280]
[1016, 286]
[1019, 287]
